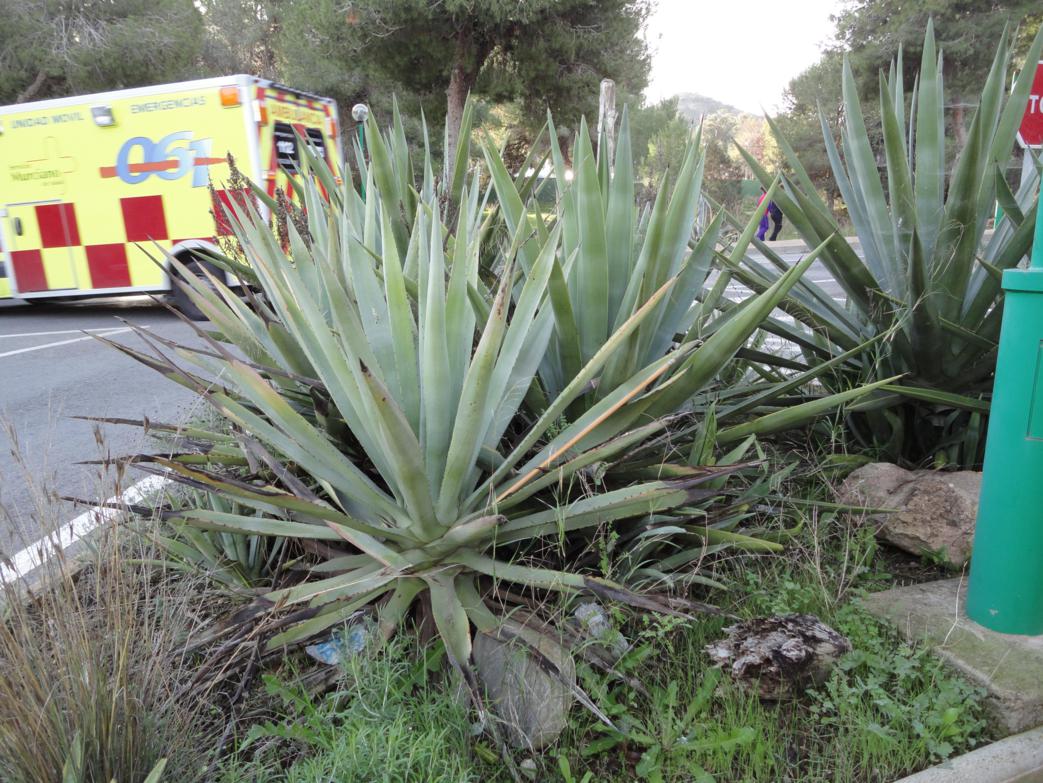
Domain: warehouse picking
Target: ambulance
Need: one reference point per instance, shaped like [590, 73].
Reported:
[91, 186]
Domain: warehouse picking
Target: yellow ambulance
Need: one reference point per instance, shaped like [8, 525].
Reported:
[90, 185]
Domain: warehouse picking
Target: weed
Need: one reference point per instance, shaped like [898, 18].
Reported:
[388, 722]
[898, 701]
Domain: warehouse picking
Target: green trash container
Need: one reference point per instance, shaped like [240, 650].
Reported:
[1005, 591]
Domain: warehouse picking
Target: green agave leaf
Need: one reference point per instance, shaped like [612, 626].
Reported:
[797, 415]
[573, 390]
[939, 397]
[450, 618]
[251, 525]
[610, 506]
[707, 360]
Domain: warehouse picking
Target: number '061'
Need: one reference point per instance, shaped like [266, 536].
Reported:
[170, 158]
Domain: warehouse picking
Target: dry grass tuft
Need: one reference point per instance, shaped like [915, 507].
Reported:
[90, 667]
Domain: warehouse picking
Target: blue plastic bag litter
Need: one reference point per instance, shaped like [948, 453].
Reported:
[343, 644]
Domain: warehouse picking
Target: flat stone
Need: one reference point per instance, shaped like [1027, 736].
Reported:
[1008, 666]
[532, 703]
[1017, 759]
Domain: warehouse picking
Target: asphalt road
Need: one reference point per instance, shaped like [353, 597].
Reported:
[791, 252]
[49, 372]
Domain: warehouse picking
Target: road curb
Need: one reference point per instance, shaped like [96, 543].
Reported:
[1017, 759]
[63, 552]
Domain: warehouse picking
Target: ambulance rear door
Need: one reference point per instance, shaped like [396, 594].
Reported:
[41, 237]
[286, 118]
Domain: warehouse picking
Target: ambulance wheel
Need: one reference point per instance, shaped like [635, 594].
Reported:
[180, 301]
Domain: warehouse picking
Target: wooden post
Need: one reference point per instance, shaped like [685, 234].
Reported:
[607, 118]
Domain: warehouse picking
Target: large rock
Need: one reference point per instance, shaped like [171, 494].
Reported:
[934, 511]
[532, 703]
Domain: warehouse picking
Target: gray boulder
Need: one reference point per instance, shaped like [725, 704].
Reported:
[934, 511]
[533, 704]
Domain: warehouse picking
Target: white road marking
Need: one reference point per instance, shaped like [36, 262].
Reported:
[40, 552]
[63, 342]
[60, 331]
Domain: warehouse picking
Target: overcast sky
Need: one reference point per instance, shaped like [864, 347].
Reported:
[742, 52]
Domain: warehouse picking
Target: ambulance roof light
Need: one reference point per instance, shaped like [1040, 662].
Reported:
[103, 116]
[230, 96]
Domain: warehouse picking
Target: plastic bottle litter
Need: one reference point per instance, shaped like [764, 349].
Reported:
[595, 622]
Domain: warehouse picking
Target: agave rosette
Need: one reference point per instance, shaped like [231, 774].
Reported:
[927, 277]
[389, 429]
[387, 407]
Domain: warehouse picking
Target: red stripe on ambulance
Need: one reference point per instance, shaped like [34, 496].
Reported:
[143, 218]
[28, 270]
[108, 265]
[57, 225]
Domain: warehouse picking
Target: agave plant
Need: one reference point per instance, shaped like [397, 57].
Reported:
[615, 257]
[389, 432]
[388, 415]
[688, 533]
[928, 277]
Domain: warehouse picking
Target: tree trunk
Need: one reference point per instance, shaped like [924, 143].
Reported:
[33, 88]
[959, 130]
[461, 79]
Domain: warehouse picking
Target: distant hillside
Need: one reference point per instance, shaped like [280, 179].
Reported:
[694, 107]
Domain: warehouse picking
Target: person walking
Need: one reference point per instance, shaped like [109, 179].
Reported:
[762, 229]
[776, 218]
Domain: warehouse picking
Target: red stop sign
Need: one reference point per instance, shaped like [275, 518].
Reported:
[1030, 134]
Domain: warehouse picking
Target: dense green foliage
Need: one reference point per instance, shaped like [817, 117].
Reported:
[549, 53]
[539, 55]
[63, 47]
[873, 32]
[870, 33]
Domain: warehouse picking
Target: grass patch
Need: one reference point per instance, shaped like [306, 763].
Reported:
[390, 720]
[887, 710]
